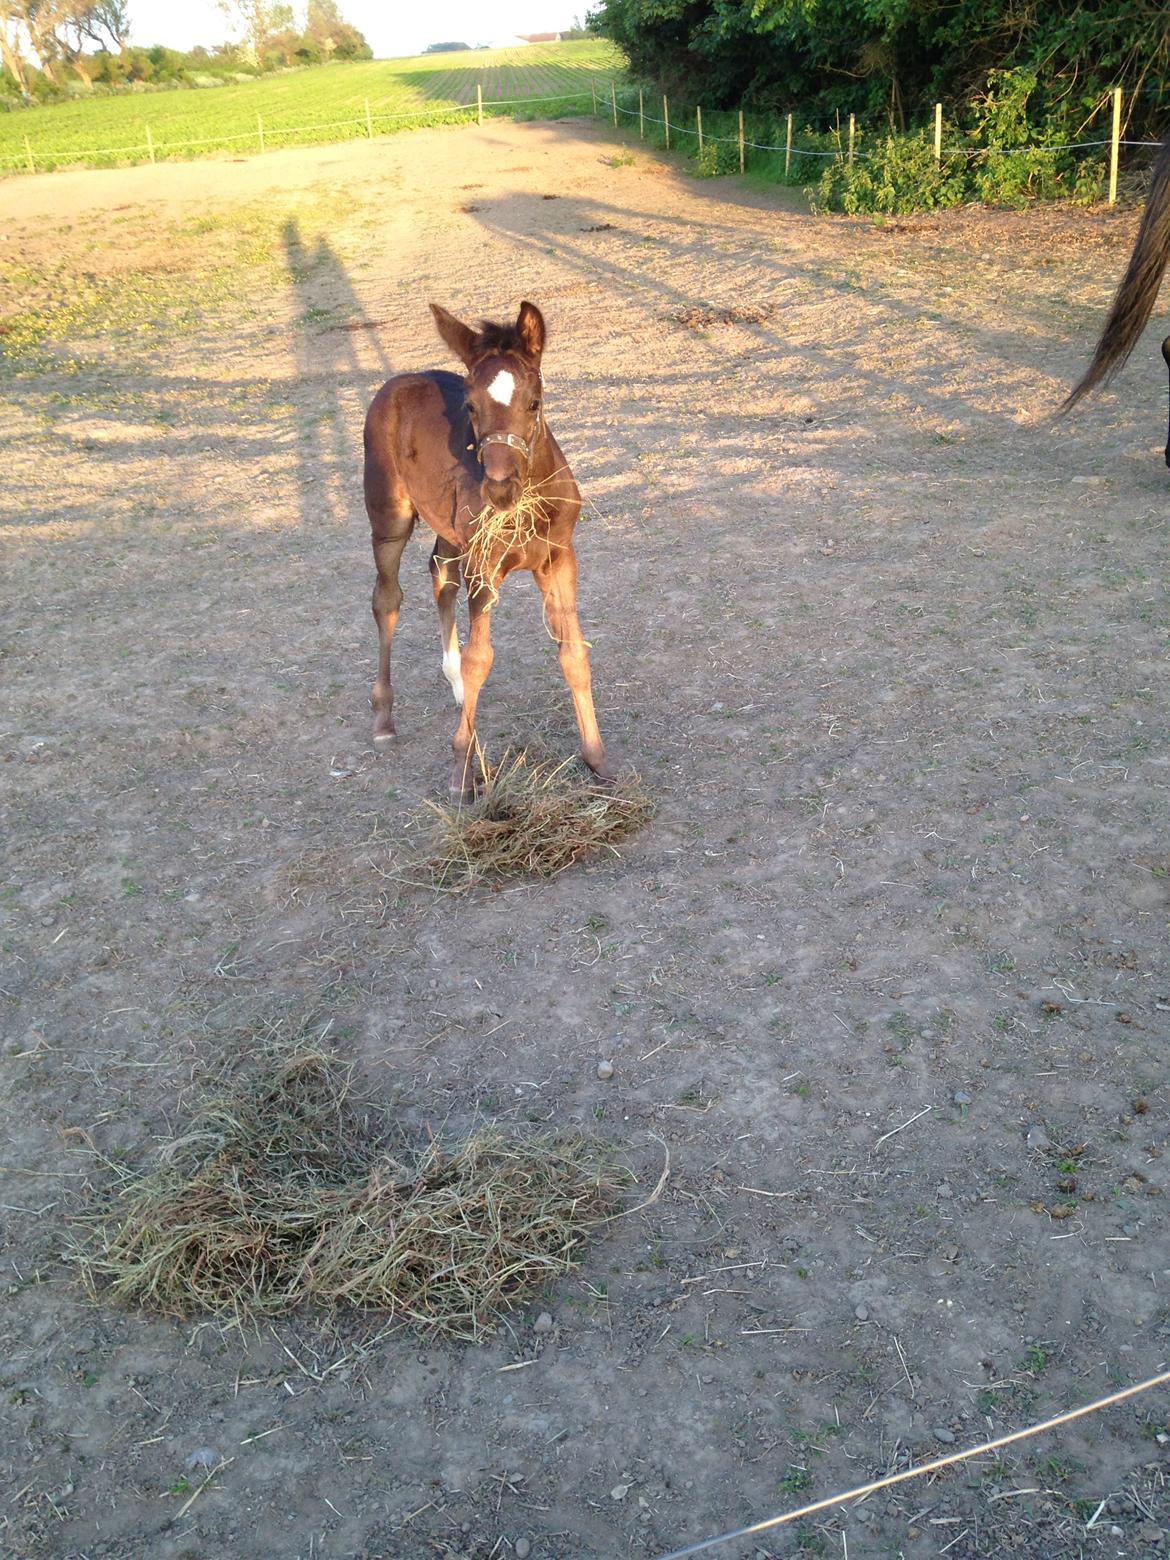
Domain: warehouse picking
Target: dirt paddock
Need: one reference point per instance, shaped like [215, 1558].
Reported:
[887, 972]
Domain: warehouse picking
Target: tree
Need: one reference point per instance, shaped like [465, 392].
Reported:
[255, 16]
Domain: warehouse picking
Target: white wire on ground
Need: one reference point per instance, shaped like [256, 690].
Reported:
[916, 1473]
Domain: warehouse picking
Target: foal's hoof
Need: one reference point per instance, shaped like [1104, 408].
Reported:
[384, 736]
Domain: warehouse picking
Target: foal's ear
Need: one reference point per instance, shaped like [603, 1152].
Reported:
[530, 327]
[458, 336]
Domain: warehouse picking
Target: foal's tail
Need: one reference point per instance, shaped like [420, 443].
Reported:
[1139, 286]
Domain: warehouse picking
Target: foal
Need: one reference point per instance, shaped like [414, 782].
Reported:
[452, 450]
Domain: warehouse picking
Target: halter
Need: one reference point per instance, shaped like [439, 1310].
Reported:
[514, 439]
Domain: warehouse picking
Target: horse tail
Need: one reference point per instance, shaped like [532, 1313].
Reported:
[1139, 286]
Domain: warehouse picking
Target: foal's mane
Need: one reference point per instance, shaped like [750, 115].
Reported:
[492, 338]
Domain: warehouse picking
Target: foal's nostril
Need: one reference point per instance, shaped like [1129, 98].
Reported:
[503, 494]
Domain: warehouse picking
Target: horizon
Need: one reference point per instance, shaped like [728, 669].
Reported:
[390, 34]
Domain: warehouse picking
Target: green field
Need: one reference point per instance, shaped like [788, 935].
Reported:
[306, 107]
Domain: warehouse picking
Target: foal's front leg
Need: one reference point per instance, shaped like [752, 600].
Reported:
[558, 585]
[445, 583]
[476, 664]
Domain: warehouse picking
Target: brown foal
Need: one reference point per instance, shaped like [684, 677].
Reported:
[448, 448]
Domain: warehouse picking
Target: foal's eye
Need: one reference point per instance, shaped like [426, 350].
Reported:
[535, 407]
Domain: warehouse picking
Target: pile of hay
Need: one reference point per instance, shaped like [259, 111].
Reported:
[535, 816]
[283, 1193]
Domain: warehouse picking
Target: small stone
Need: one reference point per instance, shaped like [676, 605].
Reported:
[543, 1323]
[861, 1312]
[941, 1433]
[523, 1549]
[944, 1190]
[202, 1457]
[605, 1069]
[1037, 1139]
[961, 1097]
[619, 1492]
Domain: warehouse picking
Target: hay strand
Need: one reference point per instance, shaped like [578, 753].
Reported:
[534, 816]
[284, 1192]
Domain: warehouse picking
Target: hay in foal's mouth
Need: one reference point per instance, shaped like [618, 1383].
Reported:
[534, 817]
[283, 1192]
[495, 532]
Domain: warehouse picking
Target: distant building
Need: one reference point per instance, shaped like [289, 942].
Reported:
[539, 37]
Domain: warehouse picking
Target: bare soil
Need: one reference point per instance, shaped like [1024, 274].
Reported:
[887, 972]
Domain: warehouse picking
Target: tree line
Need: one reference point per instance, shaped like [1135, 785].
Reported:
[50, 47]
[890, 61]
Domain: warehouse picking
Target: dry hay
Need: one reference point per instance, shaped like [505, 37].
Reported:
[284, 1192]
[534, 816]
[735, 314]
[496, 531]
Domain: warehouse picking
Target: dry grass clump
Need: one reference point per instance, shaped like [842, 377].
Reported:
[497, 531]
[534, 816]
[735, 314]
[284, 1192]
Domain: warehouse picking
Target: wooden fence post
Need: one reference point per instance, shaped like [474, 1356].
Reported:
[851, 133]
[1115, 146]
[28, 152]
[937, 134]
[149, 143]
[741, 140]
[788, 148]
[369, 121]
[641, 117]
[699, 124]
[613, 100]
[593, 89]
[666, 121]
[479, 103]
[260, 130]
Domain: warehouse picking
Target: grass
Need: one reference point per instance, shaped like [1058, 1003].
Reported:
[534, 817]
[306, 107]
[284, 1192]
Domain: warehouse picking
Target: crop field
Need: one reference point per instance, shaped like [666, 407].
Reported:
[305, 107]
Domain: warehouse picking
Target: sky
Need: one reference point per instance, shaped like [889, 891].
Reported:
[392, 27]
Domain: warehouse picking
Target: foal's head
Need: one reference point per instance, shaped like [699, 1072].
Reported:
[503, 395]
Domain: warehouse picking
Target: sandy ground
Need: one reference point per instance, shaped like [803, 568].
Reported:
[888, 972]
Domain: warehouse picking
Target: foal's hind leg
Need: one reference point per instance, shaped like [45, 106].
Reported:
[391, 528]
[445, 583]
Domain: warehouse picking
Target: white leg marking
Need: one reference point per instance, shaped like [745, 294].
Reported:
[502, 388]
[453, 670]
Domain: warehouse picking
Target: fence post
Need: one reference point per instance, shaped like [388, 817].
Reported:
[1115, 146]
[478, 103]
[28, 152]
[369, 121]
[699, 125]
[851, 132]
[260, 130]
[593, 89]
[613, 100]
[788, 148]
[937, 134]
[150, 143]
[666, 121]
[641, 117]
[741, 140]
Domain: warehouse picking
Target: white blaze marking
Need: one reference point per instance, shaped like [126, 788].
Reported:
[502, 388]
[453, 671]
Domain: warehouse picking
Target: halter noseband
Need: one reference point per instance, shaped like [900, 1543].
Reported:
[513, 439]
